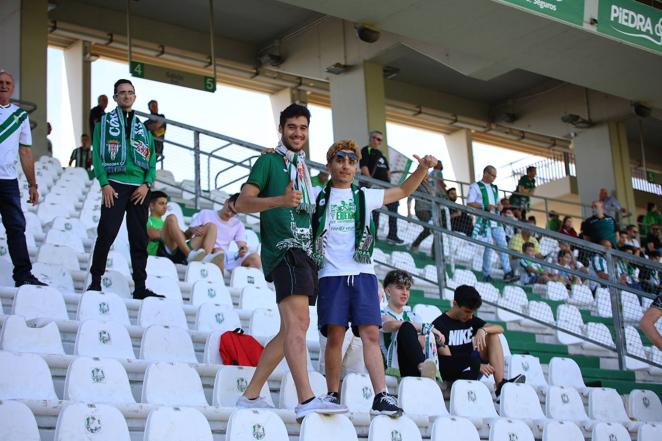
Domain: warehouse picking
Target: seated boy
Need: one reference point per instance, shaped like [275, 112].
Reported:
[474, 346]
[167, 240]
[532, 272]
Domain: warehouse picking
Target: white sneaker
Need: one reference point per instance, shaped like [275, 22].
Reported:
[216, 258]
[258, 403]
[318, 405]
[196, 255]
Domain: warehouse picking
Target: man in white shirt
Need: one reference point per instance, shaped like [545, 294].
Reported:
[484, 195]
[344, 236]
[15, 140]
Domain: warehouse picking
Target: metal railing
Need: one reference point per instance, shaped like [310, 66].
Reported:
[556, 165]
[640, 181]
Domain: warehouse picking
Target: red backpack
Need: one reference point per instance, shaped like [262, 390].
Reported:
[239, 349]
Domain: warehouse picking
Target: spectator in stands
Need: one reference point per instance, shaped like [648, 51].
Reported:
[375, 165]
[167, 240]
[524, 236]
[460, 221]
[228, 229]
[574, 263]
[626, 272]
[423, 207]
[651, 278]
[82, 156]
[15, 142]
[98, 111]
[475, 347]
[526, 187]
[156, 127]
[409, 346]
[347, 280]
[566, 260]
[509, 229]
[632, 236]
[654, 239]
[554, 223]
[532, 272]
[125, 166]
[320, 180]
[647, 322]
[652, 217]
[567, 228]
[279, 188]
[599, 264]
[612, 207]
[484, 195]
[599, 227]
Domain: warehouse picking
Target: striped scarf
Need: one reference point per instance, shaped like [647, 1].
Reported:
[300, 177]
[113, 148]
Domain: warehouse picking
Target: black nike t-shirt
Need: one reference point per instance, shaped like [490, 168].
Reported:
[376, 162]
[458, 334]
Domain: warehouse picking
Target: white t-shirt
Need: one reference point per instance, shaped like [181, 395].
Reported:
[475, 196]
[339, 250]
[226, 232]
[12, 133]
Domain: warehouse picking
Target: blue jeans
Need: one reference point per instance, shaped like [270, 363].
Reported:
[499, 236]
[14, 222]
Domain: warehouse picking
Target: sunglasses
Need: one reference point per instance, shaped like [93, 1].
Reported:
[377, 138]
[349, 155]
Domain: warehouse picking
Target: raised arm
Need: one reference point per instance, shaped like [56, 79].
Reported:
[412, 182]
[250, 202]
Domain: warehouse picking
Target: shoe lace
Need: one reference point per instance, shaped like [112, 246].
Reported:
[329, 399]
[389, 399]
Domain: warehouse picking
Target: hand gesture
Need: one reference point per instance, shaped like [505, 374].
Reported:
[487, 369]
[138, 195]
[479, 340]
[243, 249]
[427, 161]
[439, 337]
[33, 195]
[291, 198]
[109, 195]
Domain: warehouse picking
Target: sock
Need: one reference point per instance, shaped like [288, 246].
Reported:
[308, 400]
[252, 399]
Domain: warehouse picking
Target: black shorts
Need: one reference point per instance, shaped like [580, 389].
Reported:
[460, 366]
[177, 257]
[295, 274]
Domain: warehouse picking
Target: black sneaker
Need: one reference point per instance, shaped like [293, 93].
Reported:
[30, 280]
[395, 240]
[94, 286]
[521, 378]
[510, 277]
[488, 279]
[140, 295]
[385, 404]
[331, 397]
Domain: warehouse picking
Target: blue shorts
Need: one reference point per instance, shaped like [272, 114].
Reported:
[348, 299]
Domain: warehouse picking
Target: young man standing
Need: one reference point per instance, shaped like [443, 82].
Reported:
[279, 188]
[125, 165]
[82, 156]
[348, 285]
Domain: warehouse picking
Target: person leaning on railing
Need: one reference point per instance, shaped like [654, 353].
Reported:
[647, 322]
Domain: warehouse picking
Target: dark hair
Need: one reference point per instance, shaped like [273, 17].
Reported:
[84, 134]
[232, 198]
[398, 276]
[562, 253]
[292, 111]
[531, 167]
[630, 227]
[531, 219]
[649, 206]
[451, 189]
[653, 254]
[466, 296]
[121, 81]
[157, 194]
[150, 102]
[526, 246]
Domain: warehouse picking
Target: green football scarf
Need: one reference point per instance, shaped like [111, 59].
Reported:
[364, 231]
[300, 177]
[483, 225]
[113, 148]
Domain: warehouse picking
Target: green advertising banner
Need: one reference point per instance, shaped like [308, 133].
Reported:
[571, 11]
[631, 21]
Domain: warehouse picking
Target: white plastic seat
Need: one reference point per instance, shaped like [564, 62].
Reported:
[49, 210]
[230, 384]
[471, 399]
[25, 376]
[206, 291]
[39, 302]
[649, 432]
[177, 424]
[548, 246]
[211, 316]
[634, 346]
[65, 238]
[379, 257]
[463, 277]
[316, 427]
[421, 396]
[55, 276]
[33, 224]
[540, 311]
[530, 367]
[568, 317]
[172, 384]
[166, 286]
[404, 260]
[562, 431]
[505, 429]
[265, 323]
[602, 305]
[253, 241]
[427, 313]
[6, 270]
[357, 393]
[103, 339]
[605, 404]
[645, 405]
[115, 282]
[580, 295]
[18, 422]
[102, 306]
[253, 298]
[461, 428]
[16, 336]
[655, 355]
[244, 276]
[514, 298]
[520, 401]
[59, 255]
[253, 424]
[487, 291]
[117, 262]
[164, 343]
[288, 393]
[632, 311]
[386, 428]
[165, 312]
[563, 403]
[598, 332]
[203, 271]
[211, 353]
[95, 380]
[608, 431]
[565, 372]
[556, 291]
[161, 266]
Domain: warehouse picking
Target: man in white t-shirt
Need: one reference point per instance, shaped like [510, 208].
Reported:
[484, 195]
[15, 141]
[228, 229]
[344, 236]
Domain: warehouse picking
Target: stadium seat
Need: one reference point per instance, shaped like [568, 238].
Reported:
[196, 271]
[165, 343]
[97, 380]
[39, 302]
[165, 312]
[514, 298]
[177, 424]
[505, 429]
[610, 431]
[427, 313]
[65, 238]
[471, 399]
[530, 367]
[563, 403]
[49, 210]
[548, 246]
[161, 266]
[172, 384]
[462, 277]
[565, 372]
[18, 422]
[380, 257]
[288, 393]
[316, 427]
[605, 404]
[103, 339]
[357, 393]
[117, 262]
[602, 305]
[634, 346]
[645, 405]
[16, 336]
[211, 316]
[33, 224]
[520, 401]
[540, 311]
[556, 291]
[6, 270]
[265, 323]
[562, 431]
[253, 241]
[632, 311]
[253, 298]
[421, 396]
[212, 353]
[166, 286]
[580, 296]
[231, 382]
[568, 317]
[59, 255]
[404, 260]
[102, 306]
[487, 291]
[206, 291]
[655, 355]
[649, 432]
[244, 276]
[115, 282]
[255, 424]
[461, 428]
[55, 276]
[386, 428]
[505, 347]
[598, 332]
[312, 333]
[25, 376]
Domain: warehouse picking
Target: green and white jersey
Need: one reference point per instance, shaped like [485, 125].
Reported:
[599, 264]
[14, 130]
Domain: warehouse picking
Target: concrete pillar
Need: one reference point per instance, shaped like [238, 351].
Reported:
[620, 153]
[283, 98]
[78, 68]
[358, 103]
[461, 152]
